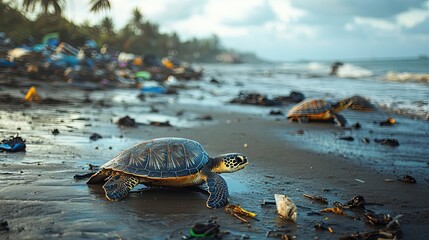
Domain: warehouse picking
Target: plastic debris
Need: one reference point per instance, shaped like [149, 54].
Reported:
[95, 137]
[127, 122]
[354, 203]
[316, 198]
[377, 219]
[322, 226]
[239, 212]
[408, 179]
[32, 95]
[388, 141]
[13, 144]
[388, 122]
[286, 208]
[335, 210]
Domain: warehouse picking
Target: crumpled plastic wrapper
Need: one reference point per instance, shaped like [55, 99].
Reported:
[286, 208]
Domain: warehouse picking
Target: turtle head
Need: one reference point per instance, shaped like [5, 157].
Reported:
[230, 162]
[342, 104]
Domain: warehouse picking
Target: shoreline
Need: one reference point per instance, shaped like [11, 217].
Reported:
[46, 202]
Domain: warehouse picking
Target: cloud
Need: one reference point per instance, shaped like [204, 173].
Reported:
[405, 19]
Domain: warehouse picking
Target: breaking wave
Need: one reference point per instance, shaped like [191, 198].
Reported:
[407, 77]
[344, 71]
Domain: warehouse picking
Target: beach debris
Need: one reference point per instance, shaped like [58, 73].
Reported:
[245, 145]
[294, 97]
[316, 198]
[253, 98]
[205, 230]
[204, 118]
[319, 110]
[55, 132]
[286, 208]
[127, 122]
[322, 226]
[268, 202]
[32, 95]
[356, 126]
[347, 138]
[4, 225]
[279, 233]
[215, 81]
[160, 124]
[13, 144]
[366, 140]
[300, 131]
[95, 137]
[388, 141]
[407, 179]
[377, 219]
[357, 202]
[335, 210]
[388, 122]
[276, 113]
[359, 180]
[239, 212]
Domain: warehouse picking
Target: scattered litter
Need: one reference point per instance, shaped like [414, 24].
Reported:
[160, 124]
[55, 131]
[239, 212]
[388, 141]
[316, 198]
[356, 202]
[358, 180]
[282, 234]
[377, 219]
[366, 140]
[389, 180]
[322, 226]
[407, 179]
[286, 208]
[356, 126]
[127, 122]
[268, 202]
[205, 230]
[95, 137]
[4, 225]
[388, 122]
[13, 144]
[347, 138]
[335, 210]
[276, 113]
[32, 95]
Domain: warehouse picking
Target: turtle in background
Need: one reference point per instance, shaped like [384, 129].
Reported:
[319, 110]
[168, 162]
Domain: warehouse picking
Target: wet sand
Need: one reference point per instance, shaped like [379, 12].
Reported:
[40, 199]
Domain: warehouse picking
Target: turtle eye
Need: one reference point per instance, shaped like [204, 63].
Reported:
[239, 159]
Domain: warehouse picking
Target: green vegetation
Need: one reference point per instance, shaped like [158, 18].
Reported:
[139, 36]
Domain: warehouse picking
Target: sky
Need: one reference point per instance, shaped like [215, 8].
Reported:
[286, 29]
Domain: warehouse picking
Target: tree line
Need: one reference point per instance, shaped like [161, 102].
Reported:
[138, 36]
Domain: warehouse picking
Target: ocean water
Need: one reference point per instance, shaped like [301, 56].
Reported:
[400, 86]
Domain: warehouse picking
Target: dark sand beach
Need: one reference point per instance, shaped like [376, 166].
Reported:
[40, 199]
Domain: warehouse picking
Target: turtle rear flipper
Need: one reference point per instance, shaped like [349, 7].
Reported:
[218, 190]
[340, 120]
[118, 186]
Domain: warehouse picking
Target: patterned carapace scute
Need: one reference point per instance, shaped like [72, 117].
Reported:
[310, 107]
[161, 158]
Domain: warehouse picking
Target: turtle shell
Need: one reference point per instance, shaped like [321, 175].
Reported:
[161, 158]
[310, 107]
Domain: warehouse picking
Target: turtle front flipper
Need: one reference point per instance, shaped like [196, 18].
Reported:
[218, 190]
[118, 186]
[339, 119]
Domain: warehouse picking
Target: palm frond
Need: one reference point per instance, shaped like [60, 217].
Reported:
[98, 5]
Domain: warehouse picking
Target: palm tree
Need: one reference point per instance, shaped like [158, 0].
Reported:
[46, 5]
[58, 5]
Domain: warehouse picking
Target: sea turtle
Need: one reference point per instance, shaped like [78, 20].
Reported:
[168, 162]
[314, 109]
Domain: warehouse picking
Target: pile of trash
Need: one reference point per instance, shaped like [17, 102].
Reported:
[90, 65]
